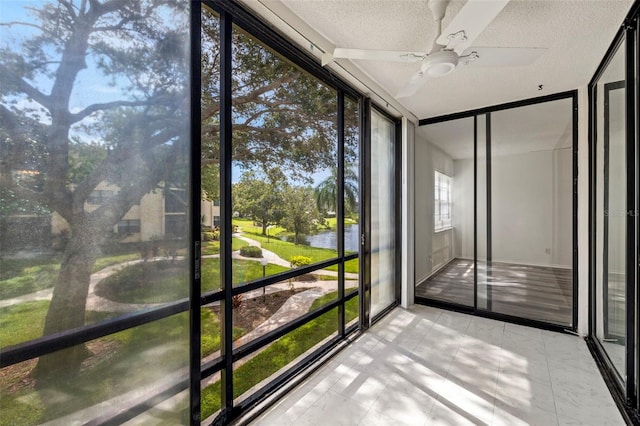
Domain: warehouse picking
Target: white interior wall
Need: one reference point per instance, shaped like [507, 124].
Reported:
[462, 216]
[529, 223]
[432, 249]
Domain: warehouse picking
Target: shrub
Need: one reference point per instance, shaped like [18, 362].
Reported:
[298, 261]
[210, 235]
[251, 251]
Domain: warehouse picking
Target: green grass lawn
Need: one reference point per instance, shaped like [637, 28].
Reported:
[213, 247]
[243, 271]
[133, 358]
[165, 281]
[24, 276]
[145, 354]
[282, 352]
[287, 250]
[332, 222]
[246, 225]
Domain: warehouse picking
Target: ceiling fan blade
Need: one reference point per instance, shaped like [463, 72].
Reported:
[472, 19]
[417, 81]
[500, 56]
[378, 55]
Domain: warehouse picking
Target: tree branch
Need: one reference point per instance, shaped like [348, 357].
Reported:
[25, 87]
[252, 96]
[26, 24]
[107, 105]
[69, 8]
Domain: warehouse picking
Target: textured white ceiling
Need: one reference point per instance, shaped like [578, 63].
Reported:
[575, 32]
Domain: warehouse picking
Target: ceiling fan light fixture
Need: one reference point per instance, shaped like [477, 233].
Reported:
[440, 63]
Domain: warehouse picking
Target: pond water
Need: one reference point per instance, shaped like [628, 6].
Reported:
[329, 239]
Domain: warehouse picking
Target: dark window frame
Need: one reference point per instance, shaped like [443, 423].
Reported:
[625, 390]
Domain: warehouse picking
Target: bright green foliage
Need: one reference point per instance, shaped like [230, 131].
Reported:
[298, 261]
[259, 197]
[300, 214]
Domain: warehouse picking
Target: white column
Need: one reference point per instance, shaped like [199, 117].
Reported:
[408, 154]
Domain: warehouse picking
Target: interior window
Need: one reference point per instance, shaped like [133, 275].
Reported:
[442, 201]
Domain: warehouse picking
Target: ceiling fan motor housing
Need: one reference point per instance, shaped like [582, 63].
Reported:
[440, 63]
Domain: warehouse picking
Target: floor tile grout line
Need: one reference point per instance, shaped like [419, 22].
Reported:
[553, 394]
[495, 392]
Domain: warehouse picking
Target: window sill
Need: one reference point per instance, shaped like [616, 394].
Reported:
[438, 230]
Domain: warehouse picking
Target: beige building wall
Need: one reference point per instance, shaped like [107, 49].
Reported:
[208, 211]
[150, 213]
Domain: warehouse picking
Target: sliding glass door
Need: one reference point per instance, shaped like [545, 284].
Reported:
[614, 174]
[383, 213]
[530, 272]
[611, 206]
[445, 229]
[495, 219]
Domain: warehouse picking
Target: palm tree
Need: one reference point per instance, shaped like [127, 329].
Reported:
[326, 193]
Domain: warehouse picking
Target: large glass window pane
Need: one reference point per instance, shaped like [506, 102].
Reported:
[383, 220]
[611, 210]
[284, 159]
[530, 273]
[351, 192]
[210, 152]
[94, 218]
[444, 211]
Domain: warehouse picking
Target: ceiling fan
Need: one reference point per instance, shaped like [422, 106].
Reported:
[451, 47]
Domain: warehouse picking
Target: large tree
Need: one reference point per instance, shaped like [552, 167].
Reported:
[282, 116]
[112, 76]
[300, 214]
[48, 103]
[260, 197]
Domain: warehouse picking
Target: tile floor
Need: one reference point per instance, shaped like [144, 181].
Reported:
[427, 366]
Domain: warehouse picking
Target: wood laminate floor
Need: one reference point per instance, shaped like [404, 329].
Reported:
[532, 292]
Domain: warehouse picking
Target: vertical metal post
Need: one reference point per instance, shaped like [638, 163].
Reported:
[574, 321]
[340, 212]
[365, 213]
[226, 273]
[489, 236]
[475, 211]
[194, 178]
[632, 208]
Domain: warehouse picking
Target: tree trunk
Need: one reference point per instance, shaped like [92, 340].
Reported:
[264, 227]
[68, 307]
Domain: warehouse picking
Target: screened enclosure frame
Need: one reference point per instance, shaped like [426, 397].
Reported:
[232, 14]
[624, 385]
[486, 113]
